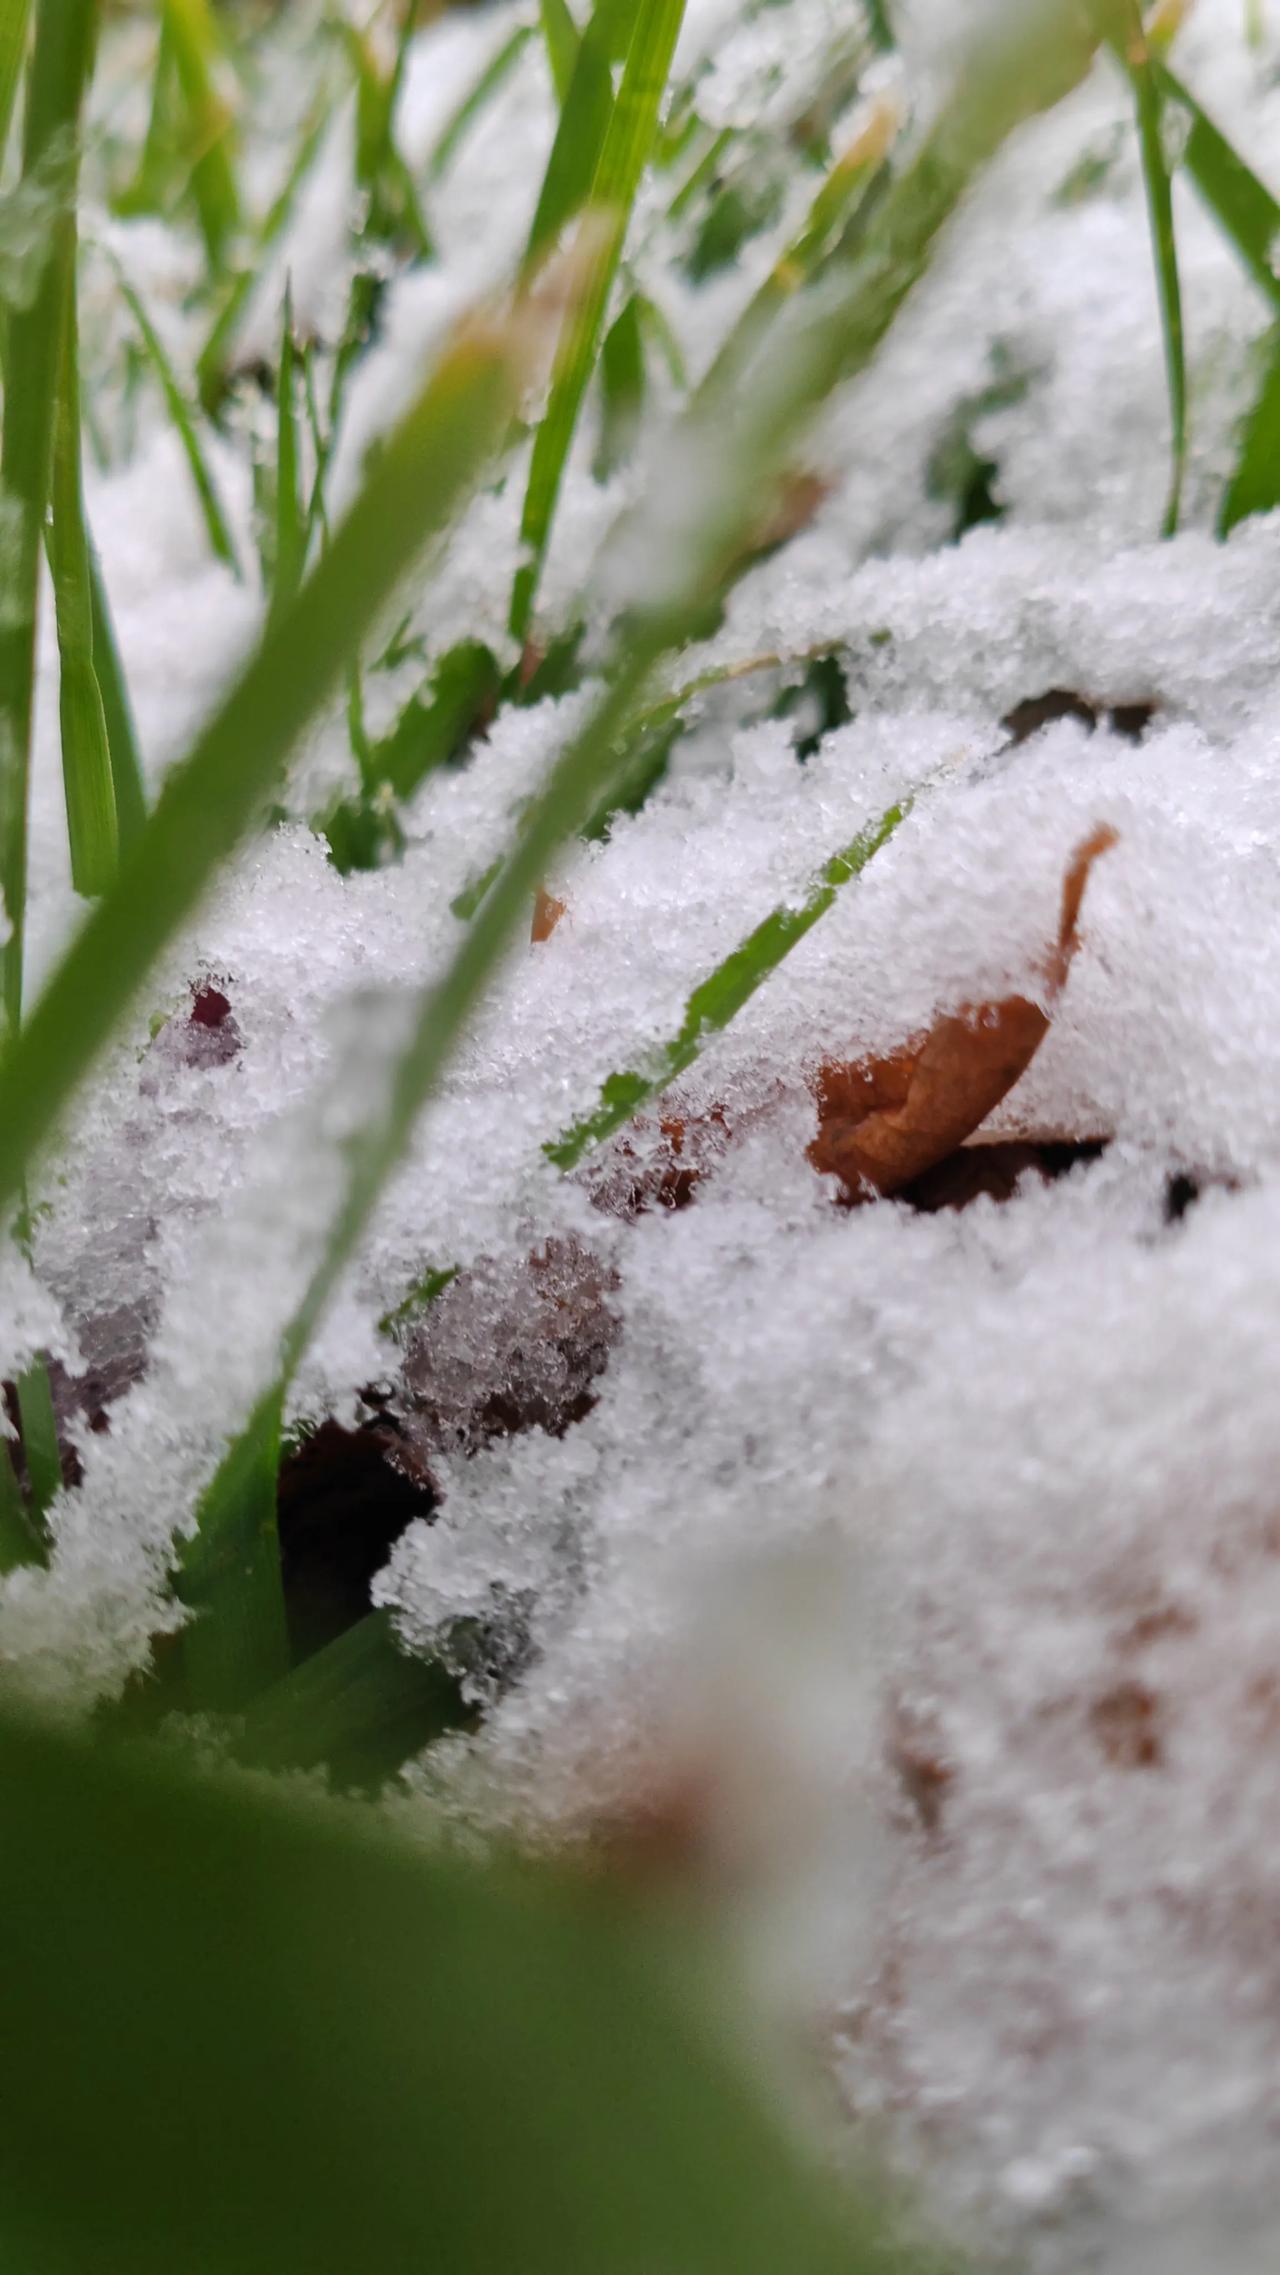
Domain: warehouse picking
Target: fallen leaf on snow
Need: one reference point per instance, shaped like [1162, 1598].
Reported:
[547, 912]
[883, 1122]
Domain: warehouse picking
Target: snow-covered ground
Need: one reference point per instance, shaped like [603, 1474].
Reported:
[944, 1548]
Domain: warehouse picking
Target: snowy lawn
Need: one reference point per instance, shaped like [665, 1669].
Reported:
[646, 1217]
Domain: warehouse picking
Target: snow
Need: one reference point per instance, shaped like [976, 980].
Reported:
[940, 1550]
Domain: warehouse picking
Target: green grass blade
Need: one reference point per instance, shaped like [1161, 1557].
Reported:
[60, 66]
[195, 47]
[15, 22]
[632, 126]
[211, 364]
[1255, 482]
[721, 996]
[20, 1542]
[361, 1707]
[561, 36]
[579, 139]
[213, 797]
[230, 1566]
[152, 180]
[273, 2038]
[87, 773]
[1140, 66]
[39, 1440]
[495, 75]
[622, 388]
[848, 183]
[184, 425]
[291, 526]
[122, 734]
[1238, 200]
[394, 211]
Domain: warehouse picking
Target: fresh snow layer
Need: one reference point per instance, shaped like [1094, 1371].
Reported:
[944, 1549]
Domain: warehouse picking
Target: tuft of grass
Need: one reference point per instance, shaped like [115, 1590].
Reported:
[837, 337]
[213, 797]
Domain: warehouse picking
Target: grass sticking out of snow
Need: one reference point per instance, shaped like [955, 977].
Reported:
[609, 196]
[721, 996]
[33, 353]
[213, 798]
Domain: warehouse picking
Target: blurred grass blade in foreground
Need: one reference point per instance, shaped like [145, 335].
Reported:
[248, 2037]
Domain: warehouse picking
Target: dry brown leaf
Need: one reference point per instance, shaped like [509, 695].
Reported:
[883, 1122]
[547, 912]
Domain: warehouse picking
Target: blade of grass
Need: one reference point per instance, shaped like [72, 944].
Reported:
[622, 389]
[15, 21]
[55, 91]
[274, 2038]
[195, 47]
[561, 36]
[211, 799]
[1239, 201]
[394, 209]
[629, 138]
[211, 364]
[721, 996]
[580, 136]
[1255, 482]
[291, 539]
[87, 772]
[849, 181]
[362, 1706]
[122, 736]
[39, 1440]
[184, 425]
[1139, 65]
[20, 1543]
[232, 1562]
[495, 75]
[150, 186]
